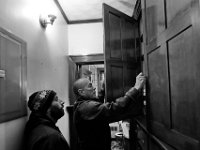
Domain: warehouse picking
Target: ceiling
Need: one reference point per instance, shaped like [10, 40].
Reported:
[88, 10]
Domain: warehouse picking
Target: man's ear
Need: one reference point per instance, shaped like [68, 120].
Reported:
[81, 91]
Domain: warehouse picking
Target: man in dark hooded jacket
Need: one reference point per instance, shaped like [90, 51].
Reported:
[41, 133]
[92, 117]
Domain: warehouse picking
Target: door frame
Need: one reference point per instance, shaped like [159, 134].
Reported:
[88, 59]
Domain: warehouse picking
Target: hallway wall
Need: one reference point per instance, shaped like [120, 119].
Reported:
[47, 66]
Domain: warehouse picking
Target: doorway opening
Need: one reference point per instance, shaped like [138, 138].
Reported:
[95, 73]
[90, 66]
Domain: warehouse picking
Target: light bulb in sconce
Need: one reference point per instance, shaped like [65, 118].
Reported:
[49, 19]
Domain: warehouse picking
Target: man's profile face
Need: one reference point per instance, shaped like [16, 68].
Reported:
[57, 108]
[88, 91]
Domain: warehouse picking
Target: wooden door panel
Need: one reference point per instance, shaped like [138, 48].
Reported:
[116, 84]
[115, 36]
[120, 33]
[129, 40]
[155, 18]
[130, 73]
[137, 44]
[184, 72]
[173, 61]
[176, 8]
[159, 88]
[173, 137]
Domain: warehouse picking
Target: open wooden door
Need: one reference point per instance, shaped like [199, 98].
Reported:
[172, 55]
[121, 50]
[122, 59]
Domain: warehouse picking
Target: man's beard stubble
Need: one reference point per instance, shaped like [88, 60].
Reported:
[57, 113]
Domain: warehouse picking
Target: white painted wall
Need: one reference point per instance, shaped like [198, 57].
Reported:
[47, 66]
[85, 38]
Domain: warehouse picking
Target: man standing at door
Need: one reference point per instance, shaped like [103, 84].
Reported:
[92, 117]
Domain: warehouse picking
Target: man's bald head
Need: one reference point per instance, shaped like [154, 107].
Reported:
[80, 84]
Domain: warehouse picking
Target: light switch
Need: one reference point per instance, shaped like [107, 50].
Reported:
[2, 73]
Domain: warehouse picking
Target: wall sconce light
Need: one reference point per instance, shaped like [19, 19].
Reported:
[47, 20]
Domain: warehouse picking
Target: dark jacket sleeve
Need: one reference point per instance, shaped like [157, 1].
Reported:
[110, 112]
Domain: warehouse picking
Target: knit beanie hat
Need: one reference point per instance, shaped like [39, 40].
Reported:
[40, 101]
